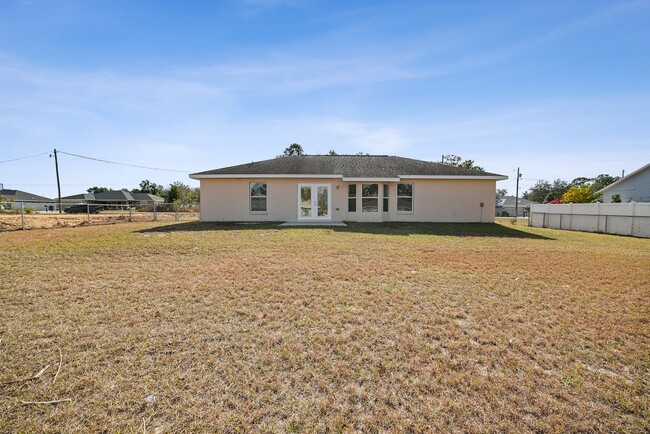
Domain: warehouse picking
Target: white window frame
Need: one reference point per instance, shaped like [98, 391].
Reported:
[377, 198]
[356, 195]
[250, 197]
[405, 197]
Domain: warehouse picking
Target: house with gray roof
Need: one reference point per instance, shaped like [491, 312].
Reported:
[634, 187]
[30, 200]
[118, 198]
[336, 188]
[507, 206]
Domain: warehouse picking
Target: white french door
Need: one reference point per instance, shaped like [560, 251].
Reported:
[314, 202]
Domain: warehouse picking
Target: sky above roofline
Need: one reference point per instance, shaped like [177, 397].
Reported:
[558, 88]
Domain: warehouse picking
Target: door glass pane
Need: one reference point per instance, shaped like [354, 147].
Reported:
[323, 210]
[305, 201]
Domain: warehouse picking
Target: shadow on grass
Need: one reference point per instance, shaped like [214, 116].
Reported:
[392, 228]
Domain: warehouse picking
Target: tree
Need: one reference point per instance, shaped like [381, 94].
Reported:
[502, 192]
[95, 190]
[455, 160]
[149, 187]
[172, 195]
[558, 188]
[544, 191]
[582, 194]
[292, 150]
[182, 194]
[580, 182]
[332, 152]
[602, 181]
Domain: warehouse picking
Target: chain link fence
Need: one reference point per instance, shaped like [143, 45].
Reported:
[31, 215]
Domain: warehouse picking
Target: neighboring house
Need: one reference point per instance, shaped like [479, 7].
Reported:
[323, 188]
[78, 198]
[119, 198]
[30, 200]
[634, 187]
[146, 198]
[505, 206]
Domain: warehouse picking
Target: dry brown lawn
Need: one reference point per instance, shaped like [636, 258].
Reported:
[371, 328]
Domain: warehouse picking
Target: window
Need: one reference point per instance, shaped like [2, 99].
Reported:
[352, 198]
[404, 197]
[369, 197]
[258, 197]
[385, 208]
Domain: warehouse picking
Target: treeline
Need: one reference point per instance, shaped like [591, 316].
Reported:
[580, 190]
[177, 192]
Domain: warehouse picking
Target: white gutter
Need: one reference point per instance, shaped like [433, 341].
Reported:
[198, 176]
[367, 179]
[347, 179]
[495, 177]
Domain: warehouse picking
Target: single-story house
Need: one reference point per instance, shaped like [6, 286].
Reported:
[336, 188]
[30, 200]
[78, 198]
[506, 206]
[634, 187]
[118, 198]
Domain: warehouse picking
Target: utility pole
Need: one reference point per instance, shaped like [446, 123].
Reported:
[58, 182]
[517, 195]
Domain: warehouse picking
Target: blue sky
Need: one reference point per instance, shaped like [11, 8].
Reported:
[560, 89]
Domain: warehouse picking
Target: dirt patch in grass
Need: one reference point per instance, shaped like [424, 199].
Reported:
[394, 328]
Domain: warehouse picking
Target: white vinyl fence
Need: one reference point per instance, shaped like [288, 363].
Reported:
[610, 218]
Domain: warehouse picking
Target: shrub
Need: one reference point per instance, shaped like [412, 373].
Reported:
[616, 198]
[582, 194]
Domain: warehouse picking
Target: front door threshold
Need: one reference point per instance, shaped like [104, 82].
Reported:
[313, 223]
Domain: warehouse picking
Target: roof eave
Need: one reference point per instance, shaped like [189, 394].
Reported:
[345, 178]
[481, 177]
[625, 178]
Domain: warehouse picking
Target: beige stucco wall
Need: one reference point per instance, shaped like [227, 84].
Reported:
[438, 200]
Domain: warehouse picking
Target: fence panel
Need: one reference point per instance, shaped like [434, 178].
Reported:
[611, 218]
[24, 215]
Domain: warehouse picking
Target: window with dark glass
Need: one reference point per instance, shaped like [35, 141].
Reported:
[405, 197]
[370, 197]
[258, 197]
[352, 198]
[385, 207]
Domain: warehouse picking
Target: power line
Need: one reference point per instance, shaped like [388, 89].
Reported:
[24, 158]
[74, 185]
[122, 164]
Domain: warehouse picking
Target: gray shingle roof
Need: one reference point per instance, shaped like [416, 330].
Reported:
[147, 197]
[352, 166]
[81, 196]
[115, 195]
[119, 195]
[512, 200]
[23, 196]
